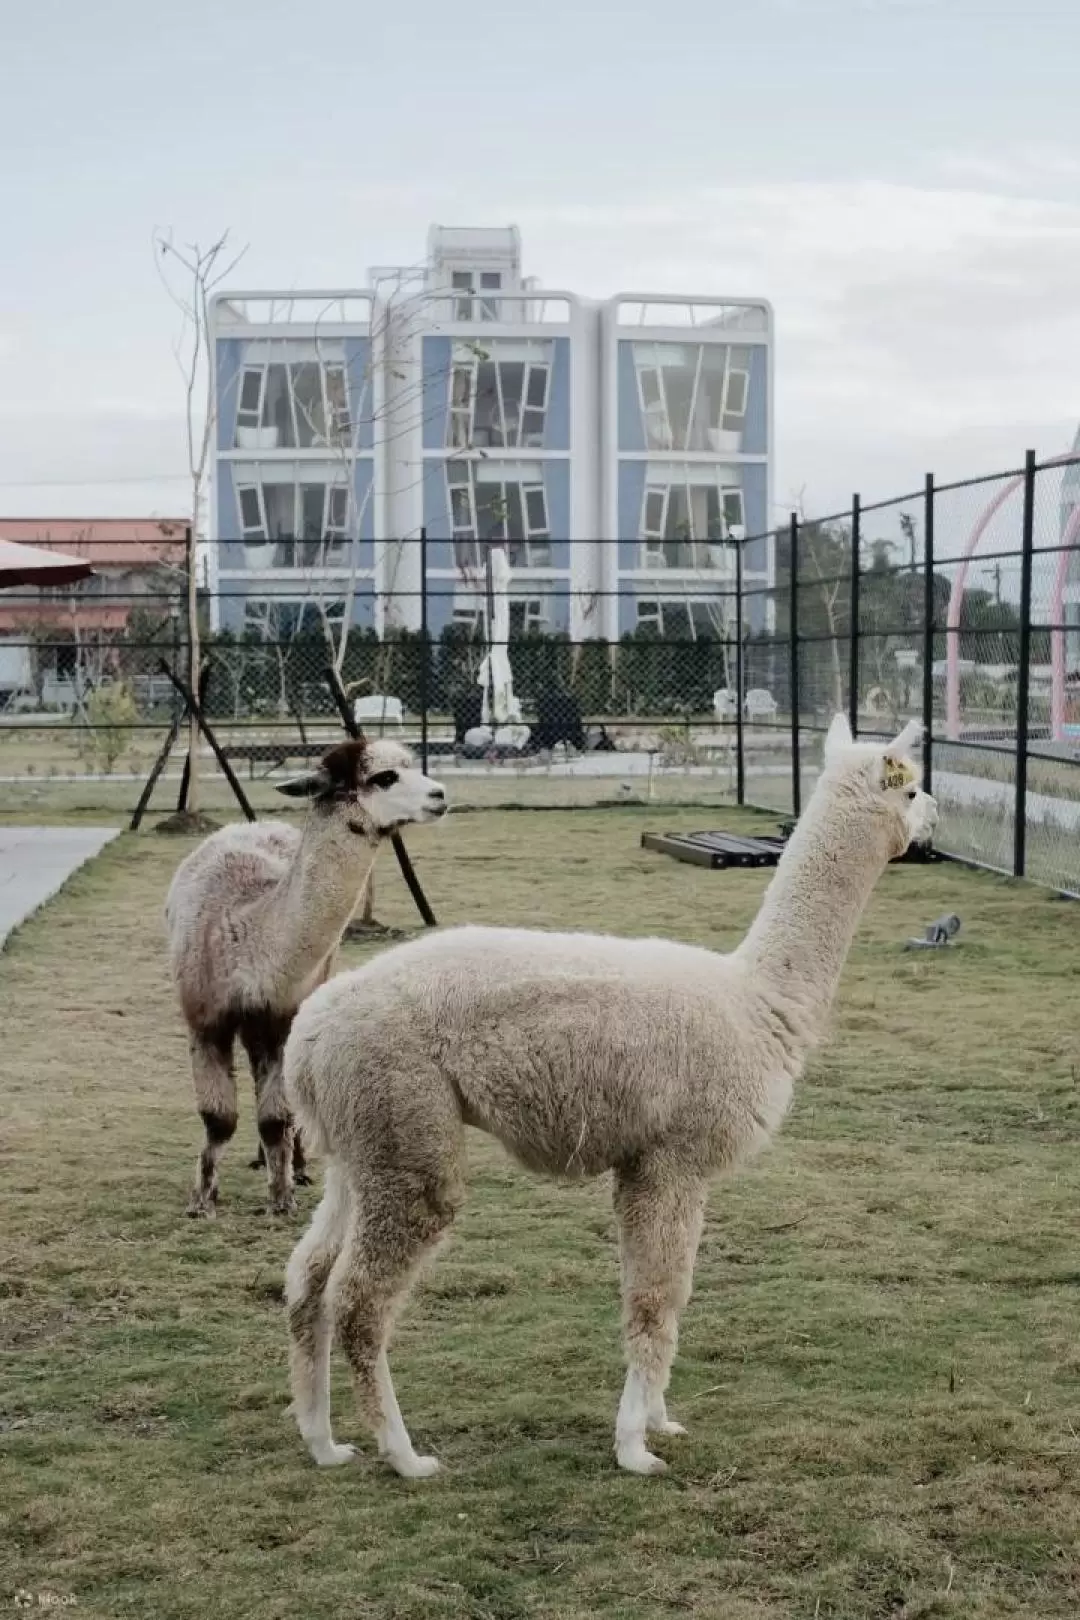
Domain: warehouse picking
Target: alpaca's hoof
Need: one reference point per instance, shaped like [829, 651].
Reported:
[257, 1163]
[333, 1456]
[637, 1460]
[414, 1467]
[669, 1426]
[302, 1178]
[282, 1206]
[201, 1209]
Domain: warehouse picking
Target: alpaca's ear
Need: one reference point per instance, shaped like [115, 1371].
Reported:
[838, 737]
[310, 786]
[909, 738]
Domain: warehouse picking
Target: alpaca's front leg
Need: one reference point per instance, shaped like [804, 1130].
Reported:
[660, 1208]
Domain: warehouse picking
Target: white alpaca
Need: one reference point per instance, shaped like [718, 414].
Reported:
[661, 1062]
[254, 916]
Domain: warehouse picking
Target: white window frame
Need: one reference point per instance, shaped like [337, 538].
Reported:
[463, 286]
[736, 494]
[661, 406]
[248, 534]
[730, 373]
[337, 420]
[507, 477]
[469, 611]
[338, 417]
[333, 535]
[465, 415]
[258, 369]
[538, 535]
[490, 281]
[462, 413]
[540, 367]
[735, 381]
[650, 611]
[534, 615]
[653, 540]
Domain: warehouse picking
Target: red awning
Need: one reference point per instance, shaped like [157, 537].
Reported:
[33, 565]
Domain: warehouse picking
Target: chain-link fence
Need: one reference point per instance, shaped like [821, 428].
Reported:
[709, 677]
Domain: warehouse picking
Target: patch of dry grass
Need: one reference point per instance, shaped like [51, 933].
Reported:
[879, 1369]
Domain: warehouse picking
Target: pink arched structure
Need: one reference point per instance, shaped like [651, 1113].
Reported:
[1069, 542]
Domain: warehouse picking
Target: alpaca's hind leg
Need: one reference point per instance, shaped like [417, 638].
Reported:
[311, 1325]
[215, 1098]
[299, 1159]
[402, 1217]
[660, 1208]
[264, 1038]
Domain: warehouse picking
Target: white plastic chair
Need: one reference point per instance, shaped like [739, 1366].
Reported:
[760, 704]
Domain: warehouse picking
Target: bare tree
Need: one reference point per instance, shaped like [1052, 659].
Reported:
[190, 274]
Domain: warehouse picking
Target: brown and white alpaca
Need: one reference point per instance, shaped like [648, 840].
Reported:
[661, 1062]
[254, 917]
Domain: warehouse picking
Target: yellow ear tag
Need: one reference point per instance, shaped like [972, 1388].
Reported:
[898, 773]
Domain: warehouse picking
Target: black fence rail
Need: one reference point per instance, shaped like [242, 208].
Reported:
[707, 678]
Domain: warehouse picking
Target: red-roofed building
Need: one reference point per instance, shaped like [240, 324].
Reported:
[51, 634]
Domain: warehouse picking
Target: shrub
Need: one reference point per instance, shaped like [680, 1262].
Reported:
[111, 712]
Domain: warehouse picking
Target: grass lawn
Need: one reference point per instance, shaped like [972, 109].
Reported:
[880, 1369]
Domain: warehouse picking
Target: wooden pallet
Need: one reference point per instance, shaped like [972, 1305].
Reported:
[715, 849]
[720, 850]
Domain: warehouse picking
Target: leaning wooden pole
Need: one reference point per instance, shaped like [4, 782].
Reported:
[157, 768]
[195, 708]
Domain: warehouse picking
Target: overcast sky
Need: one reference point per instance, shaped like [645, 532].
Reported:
[900, 177]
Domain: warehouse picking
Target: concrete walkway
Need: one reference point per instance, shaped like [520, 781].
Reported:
[35, 862]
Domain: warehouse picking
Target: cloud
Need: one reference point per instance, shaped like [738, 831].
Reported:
[917, 324]
[926, 317]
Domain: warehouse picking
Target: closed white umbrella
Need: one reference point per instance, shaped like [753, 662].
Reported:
[33, 565]
[495, 676]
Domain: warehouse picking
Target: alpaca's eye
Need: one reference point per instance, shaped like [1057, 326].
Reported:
[382, 779]
[912, 793]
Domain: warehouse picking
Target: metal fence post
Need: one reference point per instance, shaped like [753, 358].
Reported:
[740, 753]
[793, 666]
[853, 638]
[928, 636]
[424, 652]
[1023, 683]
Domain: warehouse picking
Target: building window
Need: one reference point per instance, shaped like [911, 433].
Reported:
[490, 281]
[468, 612]
[692, 396]
[301, 524]
[252, 514]
[686, 512]
[499, 396]
[682, 618]
[296, 405]
[465, 307]
[463, 281]
[282, 619]
[527, 614]
[501, 504]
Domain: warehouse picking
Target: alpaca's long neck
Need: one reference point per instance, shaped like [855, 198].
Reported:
[796, 948]
[312, 905]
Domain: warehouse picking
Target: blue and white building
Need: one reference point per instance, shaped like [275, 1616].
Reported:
[614, 447]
